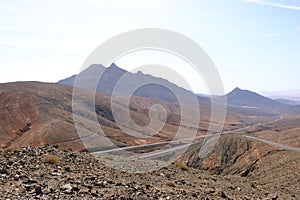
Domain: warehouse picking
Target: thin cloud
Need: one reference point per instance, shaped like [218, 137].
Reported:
[62, 45]
[267, 3]
[272, 34]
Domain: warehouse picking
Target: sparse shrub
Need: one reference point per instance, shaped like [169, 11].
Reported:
[182, 166]
[51, 159]
[21, 190]
[206, 177]
[8, 150]
[170, 184]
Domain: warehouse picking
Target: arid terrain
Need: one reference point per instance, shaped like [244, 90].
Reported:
[150, 100]
[41, 113]
[256, 156]
[50, 173]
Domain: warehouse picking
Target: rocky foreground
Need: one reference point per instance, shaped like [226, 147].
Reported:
[51, 173]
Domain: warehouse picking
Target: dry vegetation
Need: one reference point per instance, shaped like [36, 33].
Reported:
[182, 166]
[51, 159]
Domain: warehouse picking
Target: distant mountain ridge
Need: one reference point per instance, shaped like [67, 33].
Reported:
[246, 98]
[157, 89]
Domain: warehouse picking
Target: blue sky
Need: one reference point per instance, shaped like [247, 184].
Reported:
[255, 44]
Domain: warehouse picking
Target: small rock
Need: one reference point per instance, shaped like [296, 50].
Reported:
[55, 174]
[67, 169]
[253, 185]
[220, 194]
[46, 190]
[38, 190]
[84, 191]
[274, 197]
[67, 188]
[94, 192]
[3, 171]
[136, 187]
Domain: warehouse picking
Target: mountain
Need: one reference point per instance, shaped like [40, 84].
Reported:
[157, 88]
[248, 99]
[111, 76]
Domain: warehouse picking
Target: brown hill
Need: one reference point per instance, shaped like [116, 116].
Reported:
[35, 113]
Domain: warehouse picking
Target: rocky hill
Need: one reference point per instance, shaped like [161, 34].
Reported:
[51, 173]
[268, 167]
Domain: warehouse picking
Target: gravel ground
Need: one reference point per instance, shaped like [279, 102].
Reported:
[51, 173]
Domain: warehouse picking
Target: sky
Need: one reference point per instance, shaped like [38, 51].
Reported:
[254, 44]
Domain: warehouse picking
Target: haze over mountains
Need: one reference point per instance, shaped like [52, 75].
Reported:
[111, 76]
[288, 95]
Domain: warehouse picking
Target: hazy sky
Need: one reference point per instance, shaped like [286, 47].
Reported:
[255, 44]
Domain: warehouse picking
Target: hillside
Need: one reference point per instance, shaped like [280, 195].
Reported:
[40, 113]
[51, 173]
[36, 113]
[267, 166]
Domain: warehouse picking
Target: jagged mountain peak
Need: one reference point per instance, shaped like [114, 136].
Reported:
[239, 90]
